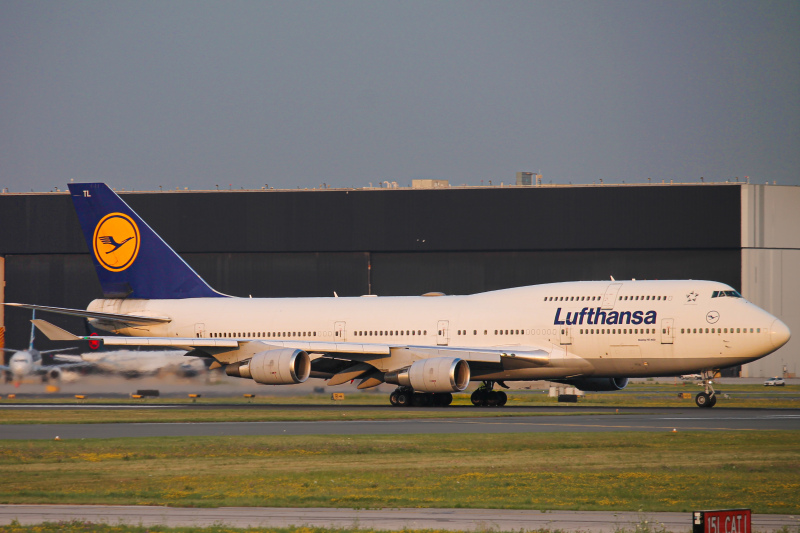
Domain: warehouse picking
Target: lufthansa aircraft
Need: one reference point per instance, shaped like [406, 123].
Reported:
[590, 334]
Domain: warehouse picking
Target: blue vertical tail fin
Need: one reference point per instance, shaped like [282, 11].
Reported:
[33, 330]
[131, 260]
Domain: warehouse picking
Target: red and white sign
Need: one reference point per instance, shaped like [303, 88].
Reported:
[725, 521]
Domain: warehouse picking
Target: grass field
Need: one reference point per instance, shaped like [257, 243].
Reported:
[608, 471]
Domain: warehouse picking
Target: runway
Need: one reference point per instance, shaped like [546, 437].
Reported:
[651, 420]
[394, 519]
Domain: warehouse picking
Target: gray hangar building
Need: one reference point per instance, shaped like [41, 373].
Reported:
[455, 240]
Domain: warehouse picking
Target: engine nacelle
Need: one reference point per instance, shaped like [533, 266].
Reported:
[596, 384]
[283, 366]
[438, 374]
[54, 373]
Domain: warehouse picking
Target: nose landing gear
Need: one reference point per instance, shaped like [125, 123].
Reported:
[486, 397]
[707, 398]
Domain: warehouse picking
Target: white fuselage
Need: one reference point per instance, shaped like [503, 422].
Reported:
[24, 363]
[608, 328]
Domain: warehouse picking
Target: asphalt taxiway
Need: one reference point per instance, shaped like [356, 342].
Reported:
[593, 420]
[390, 519]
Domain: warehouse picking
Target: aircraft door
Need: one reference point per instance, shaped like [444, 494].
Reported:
[200, 331]
[667, 334]
[565, 333]
[340, 331]
[443, 333]
[610, 297]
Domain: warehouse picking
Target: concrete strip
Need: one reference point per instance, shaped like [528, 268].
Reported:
[390, 519]
[657, 421]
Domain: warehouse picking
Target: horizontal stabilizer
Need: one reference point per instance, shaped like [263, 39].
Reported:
[112, 317]
[54, 333]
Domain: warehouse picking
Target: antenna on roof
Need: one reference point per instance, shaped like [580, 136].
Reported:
[612, 278]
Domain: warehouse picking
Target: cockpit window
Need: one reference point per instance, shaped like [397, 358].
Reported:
[726, 294]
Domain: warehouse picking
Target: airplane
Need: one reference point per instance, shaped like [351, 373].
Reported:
[24, 363]
[594, 335]
[133, 364]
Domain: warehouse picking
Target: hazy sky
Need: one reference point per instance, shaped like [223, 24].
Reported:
[298, 93]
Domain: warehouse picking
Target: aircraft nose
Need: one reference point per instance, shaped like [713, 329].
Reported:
[779, 333]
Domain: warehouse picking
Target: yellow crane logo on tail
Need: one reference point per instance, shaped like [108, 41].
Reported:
[116, 242]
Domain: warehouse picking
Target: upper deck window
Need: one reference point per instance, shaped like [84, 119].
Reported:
[724, 294]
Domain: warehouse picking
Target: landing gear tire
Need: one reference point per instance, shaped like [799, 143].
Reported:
[421, 399]
[707, 398]
[704, 400]
[478, 398]
[492, 399]
[503, 398]
[404, 398]
[442, 399]
[485, 396]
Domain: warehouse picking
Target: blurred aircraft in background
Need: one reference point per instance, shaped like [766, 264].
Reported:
[135, 363]
[28, 363]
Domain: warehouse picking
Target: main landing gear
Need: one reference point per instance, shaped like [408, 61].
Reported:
[486, 397]
[708, 398]
[406, 397]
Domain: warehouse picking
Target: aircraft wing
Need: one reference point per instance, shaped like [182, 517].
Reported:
[65, 358]
[83, 364]
[351, 351]
[111, 317]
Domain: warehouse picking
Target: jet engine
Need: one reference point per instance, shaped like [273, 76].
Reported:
[274, 367]
[438, 374]
[596, 384]
[54, 373]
